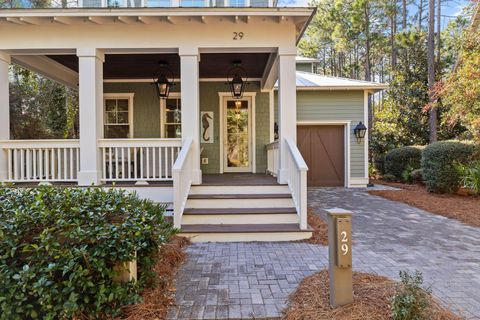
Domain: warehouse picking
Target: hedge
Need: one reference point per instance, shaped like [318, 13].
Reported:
[438, 165]
[402, 159]
[58, 248]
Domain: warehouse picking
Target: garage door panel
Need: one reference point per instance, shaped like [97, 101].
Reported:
[323, 150]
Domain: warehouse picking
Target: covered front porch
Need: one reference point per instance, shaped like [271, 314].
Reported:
[129, 135]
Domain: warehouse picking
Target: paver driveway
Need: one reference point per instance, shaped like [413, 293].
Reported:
[253, 280]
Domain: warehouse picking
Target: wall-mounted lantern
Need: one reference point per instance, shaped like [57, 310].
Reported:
[162, 84]
[237, 79]
[360, 131]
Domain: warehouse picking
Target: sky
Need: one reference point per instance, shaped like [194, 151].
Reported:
[450, 8]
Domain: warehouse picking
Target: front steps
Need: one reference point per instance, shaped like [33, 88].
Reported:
[241, 213]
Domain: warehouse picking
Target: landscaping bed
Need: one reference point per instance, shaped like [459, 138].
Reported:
[64, 252]
[372, 300]
[158, 299]
[320, 229]
[460, 206]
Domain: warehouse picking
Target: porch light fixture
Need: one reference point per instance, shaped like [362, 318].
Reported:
[237, 79]
[360, 131]
[162, 84]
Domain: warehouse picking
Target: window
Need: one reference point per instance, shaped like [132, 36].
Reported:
[159, 3]
[171, 117]
[118, 118]
[237, 3]
[192, 3]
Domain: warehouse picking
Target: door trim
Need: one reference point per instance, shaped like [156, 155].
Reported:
[222, 98]
[346, 145]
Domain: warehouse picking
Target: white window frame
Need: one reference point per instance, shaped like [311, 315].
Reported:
[163, 112]
[118, 96]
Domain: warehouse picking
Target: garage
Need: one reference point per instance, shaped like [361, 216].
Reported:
[323, 148]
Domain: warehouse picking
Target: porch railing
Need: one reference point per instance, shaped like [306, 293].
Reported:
[138, 159]
[272, 158]
[42, 160]
[182, 180]
[297, 180]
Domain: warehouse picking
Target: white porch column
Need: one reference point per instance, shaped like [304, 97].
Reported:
[4, 112]
[90, 92]
[287, 106]
[189, 87]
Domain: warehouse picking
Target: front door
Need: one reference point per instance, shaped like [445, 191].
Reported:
[237, 137]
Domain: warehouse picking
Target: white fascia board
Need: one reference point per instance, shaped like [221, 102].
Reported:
[48, 68]
[110, 12]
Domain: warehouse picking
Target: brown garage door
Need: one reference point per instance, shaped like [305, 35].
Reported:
[322, 147]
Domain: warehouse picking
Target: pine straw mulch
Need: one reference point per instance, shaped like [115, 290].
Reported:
[157, 300]
[462, 207]
[371, 300]
[320, 229]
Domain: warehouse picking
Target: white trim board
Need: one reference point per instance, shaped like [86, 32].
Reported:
[367, 135]
[222, 96]
[346, 137]
[148, 80]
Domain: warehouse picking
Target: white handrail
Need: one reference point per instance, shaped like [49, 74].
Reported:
[272, 157]
[138, 159]
[297, 180]
[42, 160]
[182, 172]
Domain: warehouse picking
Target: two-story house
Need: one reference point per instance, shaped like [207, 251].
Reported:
[196, 103]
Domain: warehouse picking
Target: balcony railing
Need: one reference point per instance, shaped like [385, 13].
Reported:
[136, 3]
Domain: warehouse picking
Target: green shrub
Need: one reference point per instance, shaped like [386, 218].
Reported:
[438, 165]
[411, 299]
[389, 177]
[470, 176]
[417, 176]
[379, 163]
[399, 160]
[58, 248]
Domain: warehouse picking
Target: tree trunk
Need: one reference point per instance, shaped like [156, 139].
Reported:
[439, 26]
[420, 15]
[404, 15]
[367, 61]
[367, 44]
[393, 32]
[432, 121]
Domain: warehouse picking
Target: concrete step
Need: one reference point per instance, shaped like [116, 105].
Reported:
[214, 189]
[244, 232]
[238, 201]
[239, 216]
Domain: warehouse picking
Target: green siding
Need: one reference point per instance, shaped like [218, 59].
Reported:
[146, 117]
[335, 105]
[209, 101]
[146, 107]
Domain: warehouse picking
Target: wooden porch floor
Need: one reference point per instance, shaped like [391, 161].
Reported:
[225, 179]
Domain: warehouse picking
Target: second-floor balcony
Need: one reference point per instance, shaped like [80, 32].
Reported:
[10, 4]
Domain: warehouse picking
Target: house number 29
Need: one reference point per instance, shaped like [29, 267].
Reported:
[238, 35]
[344, 243]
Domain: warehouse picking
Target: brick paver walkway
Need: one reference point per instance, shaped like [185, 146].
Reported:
[253, 280]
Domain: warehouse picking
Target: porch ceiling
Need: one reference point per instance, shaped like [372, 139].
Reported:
[145, 66]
